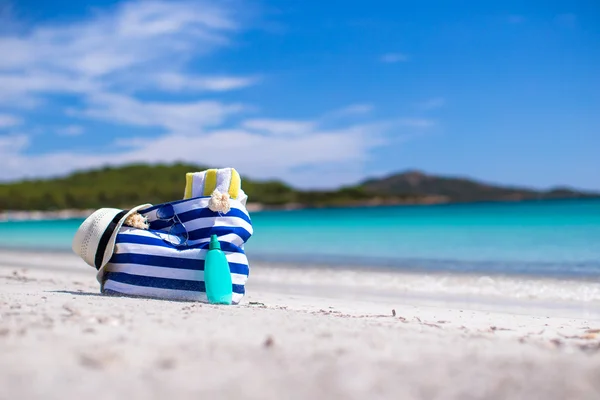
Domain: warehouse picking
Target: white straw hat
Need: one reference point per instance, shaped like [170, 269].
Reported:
[95, 239]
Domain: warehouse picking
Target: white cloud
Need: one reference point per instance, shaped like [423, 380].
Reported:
[70, 130]
[326, 176]
[356, 109]
[392, 58]
[26, 89]
[13, 143]
[134, 34]
[301, 152]
[186, 117]
[134, 39]
[15, 85]
[262, 148]
[8, 121]
[176, 82]
[256, 154]
[359, 109]
[279, 127]
[433, 103]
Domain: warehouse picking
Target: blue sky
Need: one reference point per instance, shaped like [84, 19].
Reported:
[316, 93]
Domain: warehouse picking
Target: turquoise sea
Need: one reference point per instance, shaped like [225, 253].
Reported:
[545, 238]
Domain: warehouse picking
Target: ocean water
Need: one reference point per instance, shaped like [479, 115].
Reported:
[546, 238]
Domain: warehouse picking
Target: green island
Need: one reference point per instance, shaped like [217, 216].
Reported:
[134, 184]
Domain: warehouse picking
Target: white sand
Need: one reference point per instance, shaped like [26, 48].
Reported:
[453, 337]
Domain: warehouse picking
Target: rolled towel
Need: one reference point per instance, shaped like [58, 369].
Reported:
[215, 183]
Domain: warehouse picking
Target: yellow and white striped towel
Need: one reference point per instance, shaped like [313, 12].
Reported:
[204, 183]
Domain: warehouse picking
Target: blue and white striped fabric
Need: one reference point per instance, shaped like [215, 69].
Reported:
[144, 264]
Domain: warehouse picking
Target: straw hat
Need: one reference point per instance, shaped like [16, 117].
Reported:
[95, 239]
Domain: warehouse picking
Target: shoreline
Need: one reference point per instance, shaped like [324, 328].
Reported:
[299, 265]
[38, 215]
[42, 215]
[275, 262]
[423, 285]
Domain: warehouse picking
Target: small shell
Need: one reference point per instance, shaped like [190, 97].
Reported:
[219, 202]
[136, 220]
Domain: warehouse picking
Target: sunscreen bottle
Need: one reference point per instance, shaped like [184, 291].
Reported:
[217, 276]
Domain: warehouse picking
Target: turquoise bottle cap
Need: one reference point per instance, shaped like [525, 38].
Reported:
[214, 243]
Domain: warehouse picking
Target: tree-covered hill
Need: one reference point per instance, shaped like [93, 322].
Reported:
[140, 183]
[457, 189]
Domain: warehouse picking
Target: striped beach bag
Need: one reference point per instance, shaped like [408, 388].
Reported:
[165, 258]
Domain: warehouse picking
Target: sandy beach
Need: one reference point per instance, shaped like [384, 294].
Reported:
[299, 333]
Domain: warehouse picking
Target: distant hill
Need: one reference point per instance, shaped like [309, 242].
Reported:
[122, 187]
[419, 184]
[140, 183]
